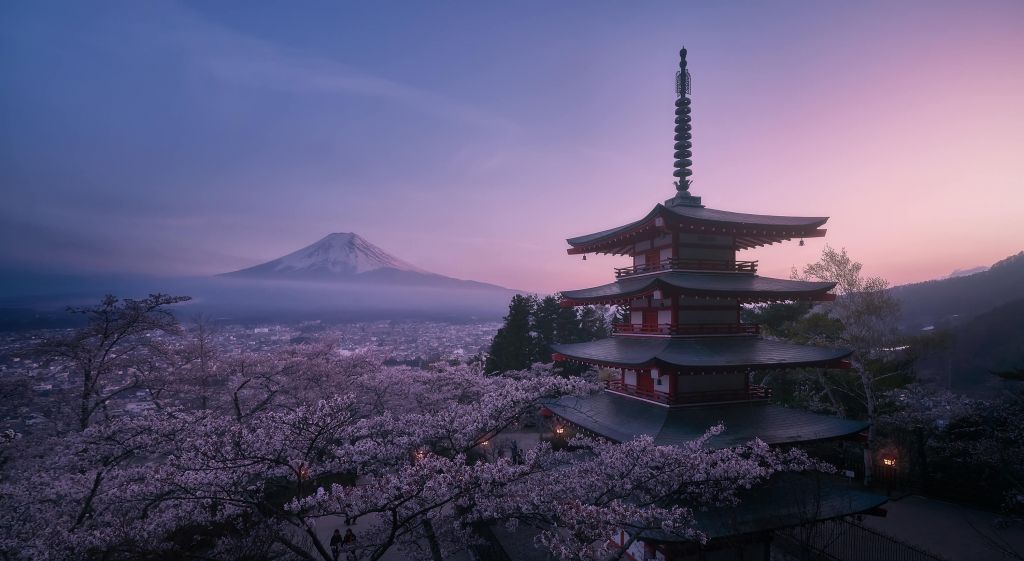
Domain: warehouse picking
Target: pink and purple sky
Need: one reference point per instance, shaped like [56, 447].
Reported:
[471, 139]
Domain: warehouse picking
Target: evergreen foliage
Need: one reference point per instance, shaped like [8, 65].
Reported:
[545, 327]
[514, 344]
[534, 324]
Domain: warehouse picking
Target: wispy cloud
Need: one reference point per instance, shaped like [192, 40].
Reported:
[241, 59]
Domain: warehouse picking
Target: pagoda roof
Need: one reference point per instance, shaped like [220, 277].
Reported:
[751, 230]
[787, 499]
[730, 352]
[622, 418]
[739, 285]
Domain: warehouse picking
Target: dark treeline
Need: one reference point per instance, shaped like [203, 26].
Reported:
[983, 352]
[534, 324]
[938, 302]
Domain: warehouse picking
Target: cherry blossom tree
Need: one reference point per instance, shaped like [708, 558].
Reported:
[867, 313]
[114, 341]
[189, 368]
[303, 438]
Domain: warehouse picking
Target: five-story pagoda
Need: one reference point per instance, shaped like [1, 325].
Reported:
[684, 361]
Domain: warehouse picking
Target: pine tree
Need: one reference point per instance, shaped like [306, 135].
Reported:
[568, 328]
[545, 323]
[594, 323]
[534, 325]
[513, 346]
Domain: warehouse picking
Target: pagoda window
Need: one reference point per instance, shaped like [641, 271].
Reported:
[666, 253]
[663, 240]
[661, 380]
[639, 259]
[642, 246]
[664, 317]
[636, 317]
[629, 378]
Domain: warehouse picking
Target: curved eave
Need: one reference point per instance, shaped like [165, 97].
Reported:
[785, 500]
[749, 230]
[702, 354]
[614, 233]
[621, 418]
[744, 287]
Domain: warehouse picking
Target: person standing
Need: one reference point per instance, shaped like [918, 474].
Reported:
[349, 542]
[336, 540]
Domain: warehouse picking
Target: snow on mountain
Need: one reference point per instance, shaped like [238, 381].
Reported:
[966, 272]
[347, 257]
[340, 253]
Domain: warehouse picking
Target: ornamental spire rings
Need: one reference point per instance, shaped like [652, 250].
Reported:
[683, 138]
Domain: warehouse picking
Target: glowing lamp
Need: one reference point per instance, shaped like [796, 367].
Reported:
[889, 461]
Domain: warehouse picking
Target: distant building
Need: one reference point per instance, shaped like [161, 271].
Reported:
[683, 361]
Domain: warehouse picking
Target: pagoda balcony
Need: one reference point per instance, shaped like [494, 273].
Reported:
[617, 386]
[674, 264]
[751, 393]
[687, 329]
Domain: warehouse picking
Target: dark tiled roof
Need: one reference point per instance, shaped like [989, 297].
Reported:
[622, 418]
[580, 240]
[709, 215]
[703, 284]
[744, 219]
[786, 500]
[740, 351]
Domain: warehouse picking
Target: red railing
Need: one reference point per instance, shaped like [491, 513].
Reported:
[716, 265]
[687, 329]
[752, 393]
[618, 387]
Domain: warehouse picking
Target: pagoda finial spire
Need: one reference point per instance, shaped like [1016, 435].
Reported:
[683, 137]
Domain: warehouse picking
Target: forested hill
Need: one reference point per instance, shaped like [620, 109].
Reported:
[936, 302]
[987, 345]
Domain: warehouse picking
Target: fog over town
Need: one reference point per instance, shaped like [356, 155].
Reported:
[48, 381]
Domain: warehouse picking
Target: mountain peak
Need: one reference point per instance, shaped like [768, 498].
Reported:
[347, 257]
[336, 254]
[342, 236]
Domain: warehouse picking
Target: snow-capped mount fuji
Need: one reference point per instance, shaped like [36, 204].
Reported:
[339, 254]
[349, 258]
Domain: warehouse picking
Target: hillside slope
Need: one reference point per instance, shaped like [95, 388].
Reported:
[937, 302]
